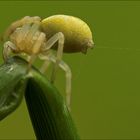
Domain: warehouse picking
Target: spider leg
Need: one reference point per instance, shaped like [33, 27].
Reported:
[19, 35]
[31, 34]
[68, 74]
[29, 39]
[31, 60]
[45, 66]
[36, 49]
[60, 38]
[23, 33]
[26, 36]
[8, 48]
[19, 23]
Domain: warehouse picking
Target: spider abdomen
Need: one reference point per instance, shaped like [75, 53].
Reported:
[78, 36]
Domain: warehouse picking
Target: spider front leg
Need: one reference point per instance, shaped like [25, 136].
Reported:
[67, 70]
[36, 49]
[20, 23]
[9, 47]
[60, 38]
[29, 40]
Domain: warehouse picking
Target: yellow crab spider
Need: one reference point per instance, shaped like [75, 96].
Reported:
[36, 37]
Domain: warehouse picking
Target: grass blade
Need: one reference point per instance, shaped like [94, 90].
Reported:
[12, 87]
[48, 111]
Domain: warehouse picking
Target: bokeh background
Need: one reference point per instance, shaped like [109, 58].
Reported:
[106, 81]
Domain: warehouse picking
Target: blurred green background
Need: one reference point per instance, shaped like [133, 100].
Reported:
[105, 84]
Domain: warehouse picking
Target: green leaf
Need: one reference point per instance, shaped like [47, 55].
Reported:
[48, 111]
[12, 87]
